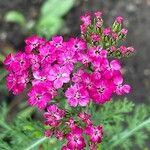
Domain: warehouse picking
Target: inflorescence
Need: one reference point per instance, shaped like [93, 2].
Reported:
[80, 71]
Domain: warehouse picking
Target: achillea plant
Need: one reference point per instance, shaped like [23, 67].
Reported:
[67, 80]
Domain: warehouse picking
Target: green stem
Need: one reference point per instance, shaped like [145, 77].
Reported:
[37, 143]
[123, 136]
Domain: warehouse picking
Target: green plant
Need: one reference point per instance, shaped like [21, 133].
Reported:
[50, 20]
[124, 126]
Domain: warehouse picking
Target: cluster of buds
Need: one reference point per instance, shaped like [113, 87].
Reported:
[109, 38]
[80, 68]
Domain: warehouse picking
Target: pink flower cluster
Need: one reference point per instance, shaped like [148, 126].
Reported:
[50, 65]
[86, 69]
[73, 132]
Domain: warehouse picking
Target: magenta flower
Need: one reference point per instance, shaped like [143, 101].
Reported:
[111, 68]
[71, 123]
[65, 148]
[53, 115]
[8, 62]
[77, 76]
[86, 118]
[75, 139]
[68, 59]
[95, 133]
[120, 88]
[76, 45]
[17, 63]
[102, 91]
[38, 96]
[57, 41]
[48, 133]
[124, 31]
[77, 95]
[119, 19]
[59, 135]
[98, 14]
[86, 19]
[17, 82]
[107, 31]
[33, 43]
[97, 53]
[59, 75]
[95, 37]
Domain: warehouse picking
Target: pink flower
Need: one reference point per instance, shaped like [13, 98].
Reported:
[86, 118]
[38, 96]
[35, 61]
[107, 31]
[86, 19]
[17, 82]
[97, 52]
[123, 49]
[77, 76]
[130, 49]
[114, 35]
[124, 31]
[119, 19]
[65, 148]
[100, 64]
[98, 14]
[33, 43]
[83, 29]
[102, 91]
[53, 115]
[120, 88]
[111, 68]
[68, 59]
[71, 123]
[18, 62]
[59, 135]
[77, 95]
[8, 62]
[93, 146]
[95, 133]
[75, 139]
[86, 78]
[76, 44]
[57, 41]
[59, 75]
[84, 59]
[48, 133]
[95, 37]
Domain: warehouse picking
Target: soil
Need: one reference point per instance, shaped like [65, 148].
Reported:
[137, 19]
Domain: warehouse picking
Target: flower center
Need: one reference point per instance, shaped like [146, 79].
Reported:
[101, 89]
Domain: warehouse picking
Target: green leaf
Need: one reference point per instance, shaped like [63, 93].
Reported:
[37, 143]
[26, 112]
[126, 134]
[48, 26]
[15, 17]
[56, 7]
